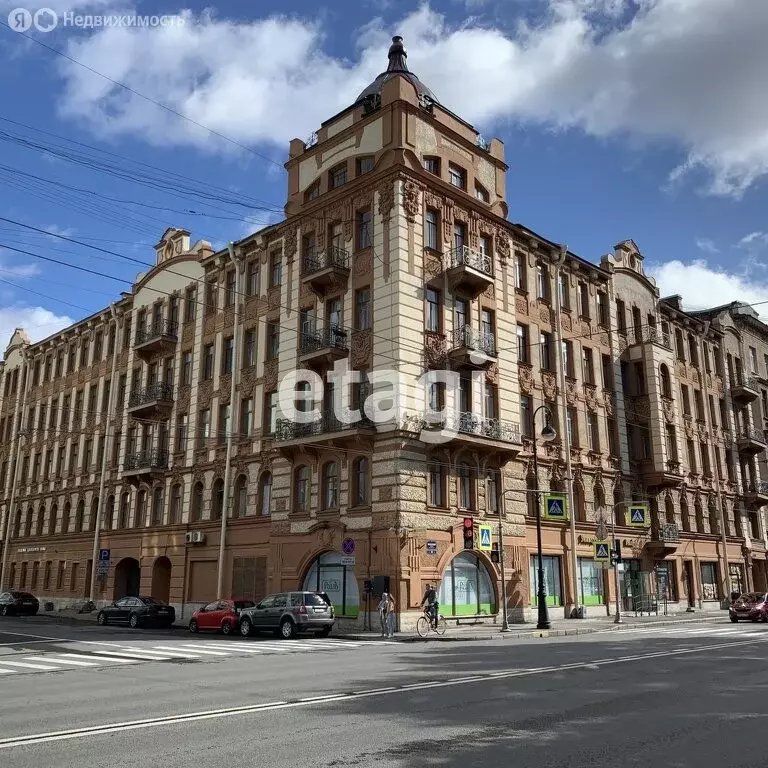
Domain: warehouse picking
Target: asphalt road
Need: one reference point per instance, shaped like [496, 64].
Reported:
[676, 697]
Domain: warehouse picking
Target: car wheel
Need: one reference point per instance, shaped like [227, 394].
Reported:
[193, 627]
[246, 627]
[323, 632]
[226, 628]
[4, 610]
[287, 629]
[101, 619]
[133, 621]
[734, 619]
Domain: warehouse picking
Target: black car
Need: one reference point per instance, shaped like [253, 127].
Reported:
[17, 603]
[137, 612]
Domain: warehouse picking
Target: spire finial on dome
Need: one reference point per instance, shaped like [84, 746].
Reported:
[397, 56]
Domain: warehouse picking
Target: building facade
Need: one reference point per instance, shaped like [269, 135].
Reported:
[167, 445]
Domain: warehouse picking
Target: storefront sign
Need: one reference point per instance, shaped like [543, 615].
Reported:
[22, 550]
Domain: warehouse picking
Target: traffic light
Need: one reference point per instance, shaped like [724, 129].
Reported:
[469, 533]
[495, 552]
[616, 553]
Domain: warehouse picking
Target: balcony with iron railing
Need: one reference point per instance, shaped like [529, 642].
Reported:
[652, 335]
[756, 493]
[141, 465]
[327, 428]
[469, 271]
[745, 389]
[156, 334]
[750, 441]
[472, 348]
[664, 538]
[456, 428]
[155, 400]
[323, 346]
[326, 268]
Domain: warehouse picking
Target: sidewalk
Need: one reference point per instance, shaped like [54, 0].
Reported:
[560, 628]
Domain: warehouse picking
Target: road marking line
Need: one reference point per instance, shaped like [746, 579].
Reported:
[242, 648]
[132, 725]
[197, 649]
[132, 656]
[6, 671]
[95, 657]
[27, 665]
[171, 651]
[51, 660]
[26, 634]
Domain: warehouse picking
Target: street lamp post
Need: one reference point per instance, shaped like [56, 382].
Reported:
[547, 434]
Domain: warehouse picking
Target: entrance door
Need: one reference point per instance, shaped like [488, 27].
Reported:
[689, 588]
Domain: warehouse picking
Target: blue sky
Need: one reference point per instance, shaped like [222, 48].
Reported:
[642, 119]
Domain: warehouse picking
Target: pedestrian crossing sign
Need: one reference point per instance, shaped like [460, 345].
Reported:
[486, 537]
[602, 551]
[555, 506]
[637, 516]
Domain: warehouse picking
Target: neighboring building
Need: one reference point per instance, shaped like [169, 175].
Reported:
[395, 254]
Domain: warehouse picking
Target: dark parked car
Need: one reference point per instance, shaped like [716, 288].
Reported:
[289, 613]
[752, 606]
[220, 616]
[137, 612]
[17, 603]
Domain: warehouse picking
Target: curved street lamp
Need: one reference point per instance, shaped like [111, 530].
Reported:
[547, 435]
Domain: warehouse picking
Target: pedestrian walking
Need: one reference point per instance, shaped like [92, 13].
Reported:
[387, 615]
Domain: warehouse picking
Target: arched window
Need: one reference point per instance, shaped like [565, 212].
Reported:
[466, 487]
[714, 518]
[301, 488]
[577, 499]
[669, 510]
[52, 520]
[141, 509]
[330, 485]
[28, 521]
[265, 494]
[466, 588]
[530, 496]
[492, 493]
[685, 517]
[666, 386]
[80, 516]
[17, 522]
[327, 574]
[599, 500]
[218, 499]
[157, 505]
[109, 514]
[175, 512]
[361, 468]
[699, 511]
[65, 518]
[40, 523]
[241, 496]
[94, 513]
[122, 518]
[197, 502]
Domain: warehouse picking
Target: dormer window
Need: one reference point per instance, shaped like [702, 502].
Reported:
[365, 165]
[313, 191]
[481, 193]
[457, 176]
[432, 165]
[338, 176]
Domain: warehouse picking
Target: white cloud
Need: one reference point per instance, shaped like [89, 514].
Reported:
[38, 322]
[703, 286]
[17, 270]
[754, 240]
[686, 73]
[707, 245]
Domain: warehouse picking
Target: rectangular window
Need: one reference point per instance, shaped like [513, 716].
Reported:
[671, 438]
[710, 589]
[603, 316]
[591, 582]
[691, 456]
[227, 356]
[364, 229]
[459, 236]
[230, 283]
[481, 193]
[521, 273]
[211, 296]
[190, 304]
[567, 353]
[208, 357]
[432, 165]
[173, 312]
[275, 270]
[698, 400]
[563, 291]
[273, 341]
[271, 413]
[337, 177]
[365, 165]
[686, 400]
[542, 282]
[182, 431]
[363, 309]
[526, 414]
[204, 428]
[431, 231]
[753, 359]
[621, 317]
[252, 278]
[224, 425]
[246, 417]
[573, 427]
[437, 477]
[249, 348]
[593, 433]
[552, 587]
[584, 308]
[705, 464]
[545, 344]
[186, 368]
[457, 176]
[523, 352]
[433, 310]
[610, 427]
[588, 366]
[490, 402]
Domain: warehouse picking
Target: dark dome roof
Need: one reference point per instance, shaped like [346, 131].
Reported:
[397, 68]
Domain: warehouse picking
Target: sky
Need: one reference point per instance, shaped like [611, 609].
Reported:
[642, 119]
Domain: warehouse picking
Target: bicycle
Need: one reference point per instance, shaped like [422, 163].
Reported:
[425, 625]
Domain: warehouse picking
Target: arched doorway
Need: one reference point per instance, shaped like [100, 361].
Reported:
[127, 578]
[466, 588]
[327, 574]
[161, 579]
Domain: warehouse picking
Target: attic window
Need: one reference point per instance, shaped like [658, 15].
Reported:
[365, 165]
[432, 165]
[313, 191]
[457, 176]
[481, 193]
[338, 176]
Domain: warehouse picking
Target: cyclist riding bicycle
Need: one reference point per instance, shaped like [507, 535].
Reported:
[430, 600]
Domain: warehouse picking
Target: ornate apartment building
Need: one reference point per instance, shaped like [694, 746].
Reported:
[162, 446]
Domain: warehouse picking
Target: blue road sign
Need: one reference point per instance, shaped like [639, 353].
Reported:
[602, 551]
[555, 506]
[104, 555]
[637, 515]
[485, 537]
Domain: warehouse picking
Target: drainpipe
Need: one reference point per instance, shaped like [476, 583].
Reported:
[230, 435]
[104, 459]
[559, 261]
[11, 513]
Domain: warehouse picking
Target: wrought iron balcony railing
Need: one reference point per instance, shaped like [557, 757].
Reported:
[466, 336]
[465, 256]
[154, 459]
[751, 434]
[327, 423]
[156, 330]
[330, 257]
[666, 532]
[158, 392]
[651, 335]
[468, 423]
[331, 337]
[746, 382]
[759, 489]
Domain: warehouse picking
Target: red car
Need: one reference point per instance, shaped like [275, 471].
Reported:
[752, 606]
[219, 616]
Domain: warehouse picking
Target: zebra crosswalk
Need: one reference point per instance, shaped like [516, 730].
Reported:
[692, 630]
[81, 655]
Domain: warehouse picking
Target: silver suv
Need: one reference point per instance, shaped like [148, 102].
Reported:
[288, 614]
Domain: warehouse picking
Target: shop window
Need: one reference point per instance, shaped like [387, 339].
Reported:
[552, 585]
[466, 588]
[327, 575]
